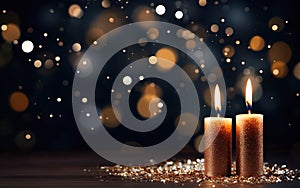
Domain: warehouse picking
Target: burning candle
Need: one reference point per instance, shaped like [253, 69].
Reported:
[218, 132]
[249, 140]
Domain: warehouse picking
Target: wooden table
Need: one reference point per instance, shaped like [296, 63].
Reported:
[76, 168]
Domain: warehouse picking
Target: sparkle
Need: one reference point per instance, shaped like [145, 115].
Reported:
[192, 171]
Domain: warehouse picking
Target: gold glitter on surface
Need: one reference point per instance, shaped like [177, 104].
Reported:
[192, 171]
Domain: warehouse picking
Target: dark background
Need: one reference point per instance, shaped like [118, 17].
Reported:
[51, 124]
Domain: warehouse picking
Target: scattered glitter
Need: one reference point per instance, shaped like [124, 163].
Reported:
[192, 171]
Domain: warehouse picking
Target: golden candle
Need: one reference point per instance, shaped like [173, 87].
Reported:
[218, 132]
[249, 140]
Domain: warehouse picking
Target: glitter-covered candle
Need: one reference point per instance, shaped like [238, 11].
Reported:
[249, 140]
[218, 134]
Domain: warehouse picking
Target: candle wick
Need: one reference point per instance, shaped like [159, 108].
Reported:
[248, 107]
[249, 111]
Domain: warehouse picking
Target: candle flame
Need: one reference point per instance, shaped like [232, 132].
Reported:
[217, 99]
[249, 95]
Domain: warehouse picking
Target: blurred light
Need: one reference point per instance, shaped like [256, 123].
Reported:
[27, 136]
[257, 43]
[109, 118]
[76, 47]
[229, 31]
[179, 14]
[222, 20]
[187, 120]
[25, 140]
[192, 71]
[75, 11]
[280, 51]
[37, 63]
[57, 58]
[127, 80]
[48, 64]
[152, 60]
[58, 99]
[153, 33]
[3, 27]
[84, 100]
[297, 71]
[147, 105]
[142, 41]
[166, 58]
[152, 89]
[93, 34]
[274, 27]
[27, 46]
[202, 3]
[105, 3]
[111, 20]
[11, 33]
[214, 28]
[190, 44]
[143, 13]
[279, 69]
[18, 101]
[228, 51]
[45, 34]
[276, 24]
[237, 42]
[160, 10]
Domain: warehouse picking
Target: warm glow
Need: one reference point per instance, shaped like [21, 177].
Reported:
[249, 94]
[217, 99]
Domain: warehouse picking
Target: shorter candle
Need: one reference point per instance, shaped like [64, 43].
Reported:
[218, 134]
[249, 140]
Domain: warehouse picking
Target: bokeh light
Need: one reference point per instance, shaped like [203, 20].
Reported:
[257, 43]
[76, 47]
[229, 31]
[276, 24]
[202, 3]
[280, 51]
[187, 120]
[147, 106]
[279, 69]
[179, 14]
[108, 117]
[37, 63]
[166, 58]
[75, 11]
[153, 33]
[152, 89]
[228, 51]
[27, 46]
[214, 28]
[18, 101]
[25, 140]
[160, 10]
[296, 71]
[11, 33]
[105, 3]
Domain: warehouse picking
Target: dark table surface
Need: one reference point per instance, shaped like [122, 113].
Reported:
[79, 169]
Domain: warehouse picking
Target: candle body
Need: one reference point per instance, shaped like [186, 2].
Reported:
[218, 155]
[249, 145]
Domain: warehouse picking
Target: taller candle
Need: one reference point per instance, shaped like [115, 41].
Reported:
[249, 140]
